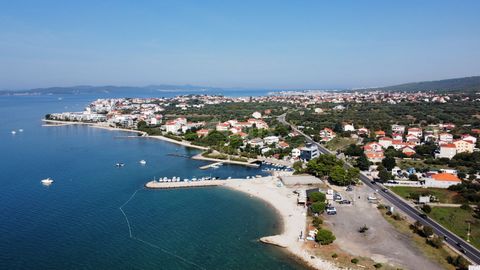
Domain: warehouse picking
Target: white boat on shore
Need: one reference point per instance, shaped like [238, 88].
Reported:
[47, 182]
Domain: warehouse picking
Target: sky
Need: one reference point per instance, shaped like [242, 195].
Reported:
[250, 44]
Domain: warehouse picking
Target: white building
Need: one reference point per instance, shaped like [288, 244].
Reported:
[271, 140]
[257, 115]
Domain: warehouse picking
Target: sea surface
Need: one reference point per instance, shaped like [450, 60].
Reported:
[77, 223]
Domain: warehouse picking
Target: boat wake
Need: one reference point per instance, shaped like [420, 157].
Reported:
[148, 243]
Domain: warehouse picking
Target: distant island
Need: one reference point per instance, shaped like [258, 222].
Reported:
[465, 84]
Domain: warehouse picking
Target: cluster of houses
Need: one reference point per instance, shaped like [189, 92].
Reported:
[406, 139]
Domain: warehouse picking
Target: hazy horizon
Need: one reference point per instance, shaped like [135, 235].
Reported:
[269, 45]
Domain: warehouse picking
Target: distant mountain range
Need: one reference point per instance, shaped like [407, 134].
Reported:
[86, 89]
[466, 84]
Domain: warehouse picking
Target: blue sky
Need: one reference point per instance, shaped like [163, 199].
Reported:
[254, 44]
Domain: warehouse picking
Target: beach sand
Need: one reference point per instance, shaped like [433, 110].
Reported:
[294, 217]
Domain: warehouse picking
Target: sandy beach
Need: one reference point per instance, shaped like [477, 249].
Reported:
[294, 217]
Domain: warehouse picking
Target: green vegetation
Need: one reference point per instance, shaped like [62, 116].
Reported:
[457, 84]
[441, 195]
[330, 166]
[339, 143]
[317, 197]
[325, 237]
[456, 220]
[318, 207]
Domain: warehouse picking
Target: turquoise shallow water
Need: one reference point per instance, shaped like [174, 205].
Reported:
[76, 223]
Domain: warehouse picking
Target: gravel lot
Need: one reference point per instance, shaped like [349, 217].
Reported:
[381, 242]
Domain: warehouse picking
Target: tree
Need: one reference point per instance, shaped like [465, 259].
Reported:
[354, 150]
[426, 208]
[413, 177]
[318, 207]
[389, 163]
[363, 163]
[325, 237]
[190, 136]
[427, 231]
[317, 197]
[298, 166]
[384, 175]
[338, 175]
[352, 175]
[236, 141]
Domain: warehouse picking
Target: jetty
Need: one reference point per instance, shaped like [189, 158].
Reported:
[212, 165]
[184, 184]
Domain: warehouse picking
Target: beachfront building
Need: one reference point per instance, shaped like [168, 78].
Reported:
[442, 180]
[309, 151]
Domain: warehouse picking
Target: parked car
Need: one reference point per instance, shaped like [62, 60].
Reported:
[331, 210]
[345, 202]
[349, 188]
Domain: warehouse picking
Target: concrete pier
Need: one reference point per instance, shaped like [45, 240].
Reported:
[211, 165]
[190, 184]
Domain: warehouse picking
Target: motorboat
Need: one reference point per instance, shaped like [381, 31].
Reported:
[47, 181]
[143, 162]
[119, 165]
[14, 132]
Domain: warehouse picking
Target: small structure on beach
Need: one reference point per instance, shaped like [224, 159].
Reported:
[292, 180]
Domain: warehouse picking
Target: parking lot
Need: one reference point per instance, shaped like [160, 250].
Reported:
[381, 241]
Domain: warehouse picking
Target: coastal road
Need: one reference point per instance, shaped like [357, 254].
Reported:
[452, 239]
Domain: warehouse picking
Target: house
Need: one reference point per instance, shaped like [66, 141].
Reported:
[172, 126]
[202, 132]
[397, 137]
[271, 140]
[257, 115]
[309, 151]
[318, 110]
[398, 129]
[375, 156]
[235, 130]
[408, 151]
[398, 144]
[243, 135]
[430, 136]
[222, 126]
[283, 145]
[468, 137]
[256, 142]
[385, 142]
[464, 146]
[373, 146]
[413, 139]
[442, 180]
[327, 134]
[447, 150]
[446, 137]
[363, 131]
[348, 127]
[417, 132]
[295, 153]
[447, 126]
[379, 133]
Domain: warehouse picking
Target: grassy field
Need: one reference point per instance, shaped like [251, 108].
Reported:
[443, 195]
[418, 164]
[455, 219]
[339, 143]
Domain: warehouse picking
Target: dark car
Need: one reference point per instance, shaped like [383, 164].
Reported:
[422, 215]
[384, 190]
[373, 182]
[344, 202]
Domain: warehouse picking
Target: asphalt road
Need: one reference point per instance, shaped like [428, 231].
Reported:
[456, 242]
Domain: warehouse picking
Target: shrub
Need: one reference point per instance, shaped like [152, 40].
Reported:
[397, 216]
[465, 206]
[426, 208]
[334, 255]
[354, 260]
[377, 265]
[317, 222]
[435, 242]
[363, 229]
[325, 237]
[427, 231]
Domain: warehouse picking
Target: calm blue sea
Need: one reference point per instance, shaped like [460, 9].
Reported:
[76, 223]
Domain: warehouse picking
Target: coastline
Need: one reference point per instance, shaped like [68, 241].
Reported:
[294, 217]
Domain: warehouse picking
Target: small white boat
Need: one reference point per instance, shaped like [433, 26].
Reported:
[119, 165]
[20, 130]
[47, 181]
[14, 132]
[143, 162]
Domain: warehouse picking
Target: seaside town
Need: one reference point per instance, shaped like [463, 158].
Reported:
[431, 166]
